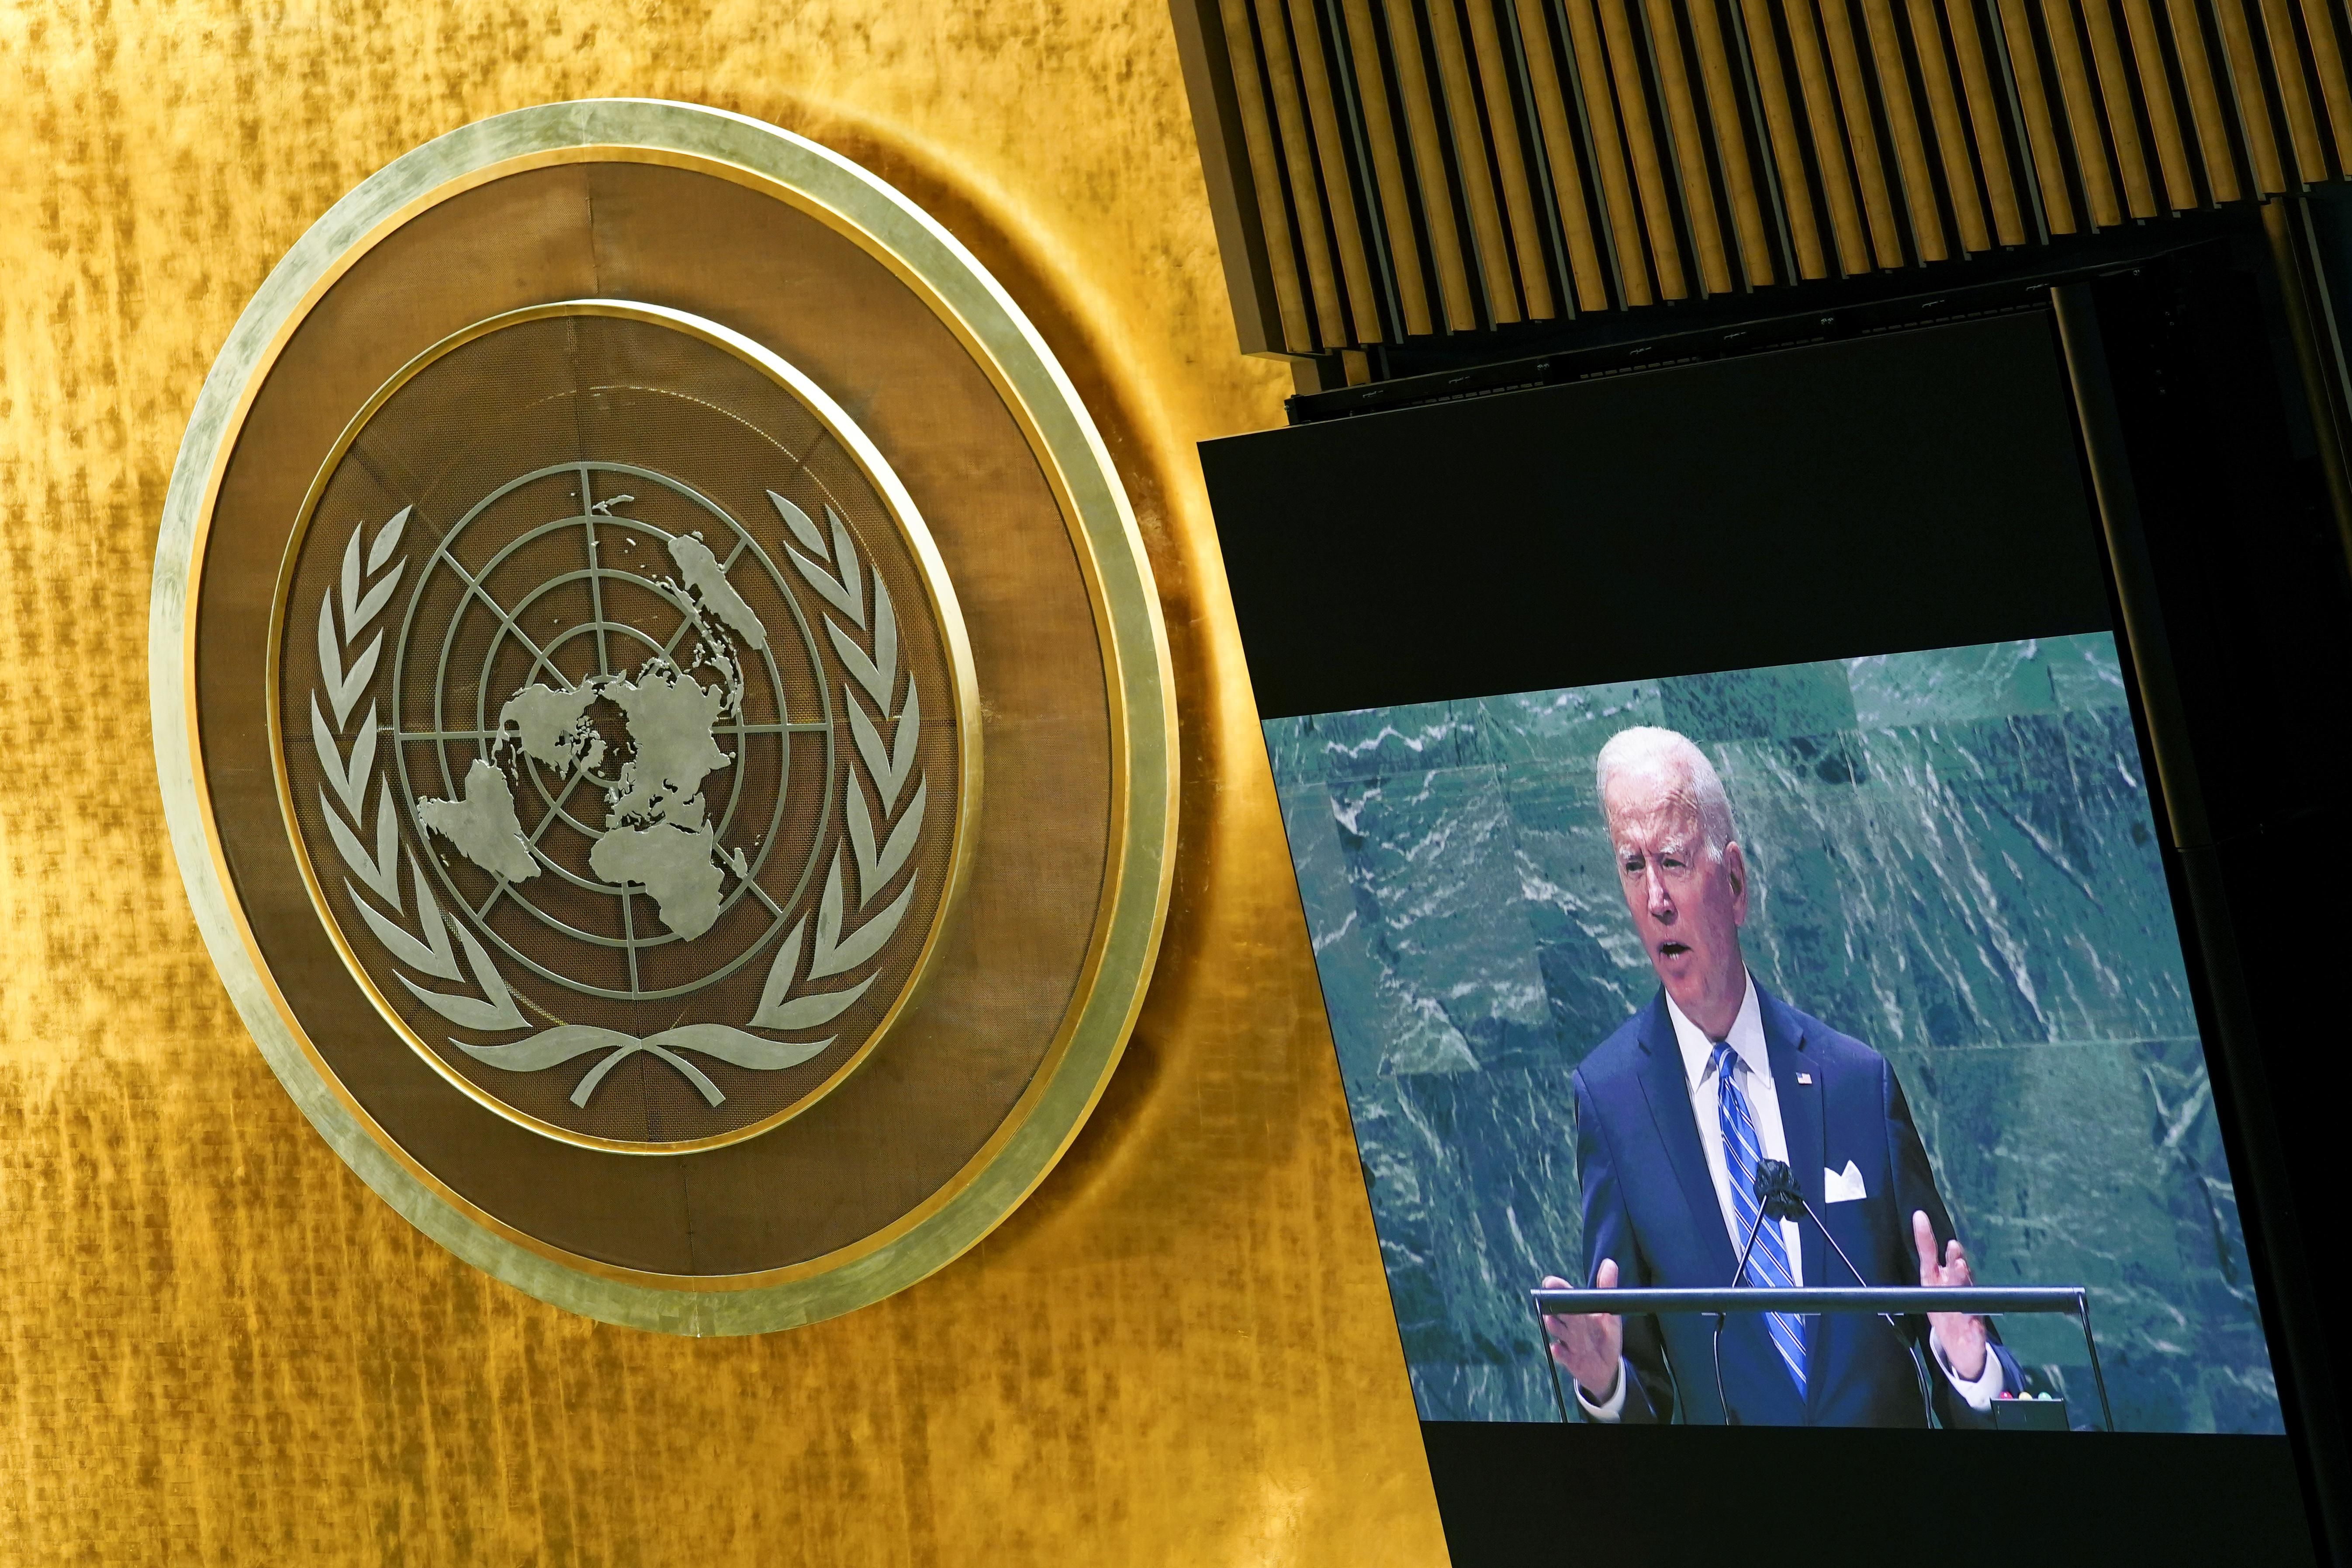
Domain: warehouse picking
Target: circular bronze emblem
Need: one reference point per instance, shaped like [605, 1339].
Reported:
[604, 648]
[598, 567]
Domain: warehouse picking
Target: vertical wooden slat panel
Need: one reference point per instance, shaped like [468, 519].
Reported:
[1266, 174]
[1951, 135]
[1486, 234]
[1642, 143]
[2163, 119]
[2206, 109]
[2041, 130]
[1388, 171]
[1984, 119]
[2122, 121]
[1337, 180]
[1338, 183]
[1723, 112]
[1592, 62]
[2328, 60]
[1829, 139]
[1429, 168]
[1585, 271]
[1298, 159]
[1626, 151]
[1781, 131]
[2294, 95]
[1861, 132]
[1689, 148]
[2253, 103]
[1903, 130]
[1518, 191]
[2081, 100]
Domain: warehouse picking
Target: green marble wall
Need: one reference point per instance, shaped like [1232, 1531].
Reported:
[1953, 859]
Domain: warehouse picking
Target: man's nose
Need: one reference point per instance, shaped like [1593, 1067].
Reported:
[1662, 906]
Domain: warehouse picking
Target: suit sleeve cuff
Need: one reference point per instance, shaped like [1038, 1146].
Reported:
[1987, 1385]
[1610, 1409]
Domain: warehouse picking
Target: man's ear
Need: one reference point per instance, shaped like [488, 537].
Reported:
[1735, 866]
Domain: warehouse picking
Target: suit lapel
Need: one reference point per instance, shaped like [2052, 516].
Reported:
[1668, 1093]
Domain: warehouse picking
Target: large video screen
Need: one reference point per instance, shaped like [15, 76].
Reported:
[1722, 817]
[1899, 921]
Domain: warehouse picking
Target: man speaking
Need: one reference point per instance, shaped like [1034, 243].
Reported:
[1675, 1114]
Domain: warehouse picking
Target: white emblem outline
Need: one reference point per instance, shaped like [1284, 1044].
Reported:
[868, 649]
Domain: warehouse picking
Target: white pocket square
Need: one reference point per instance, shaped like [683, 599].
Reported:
[1843, 1186]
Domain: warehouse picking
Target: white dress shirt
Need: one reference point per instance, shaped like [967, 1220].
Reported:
[1754, 1075]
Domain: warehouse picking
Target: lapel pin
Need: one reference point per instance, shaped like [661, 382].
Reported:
[1804, 1078]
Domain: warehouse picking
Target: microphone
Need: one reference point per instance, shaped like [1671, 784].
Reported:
[1776, 1190]
[1778, 1194]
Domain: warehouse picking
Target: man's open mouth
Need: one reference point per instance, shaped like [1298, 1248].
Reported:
[1672, 949]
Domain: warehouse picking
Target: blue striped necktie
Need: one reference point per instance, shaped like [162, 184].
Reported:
[1768, 1265]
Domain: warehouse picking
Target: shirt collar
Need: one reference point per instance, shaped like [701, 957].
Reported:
[1746, 1040]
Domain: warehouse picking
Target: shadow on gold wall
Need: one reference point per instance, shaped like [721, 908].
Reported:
[217, 1346]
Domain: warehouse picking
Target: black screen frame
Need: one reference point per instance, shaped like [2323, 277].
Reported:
[1432, 582]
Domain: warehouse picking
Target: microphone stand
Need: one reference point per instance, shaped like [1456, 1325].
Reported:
[1776, 1191]
[1738, 1277]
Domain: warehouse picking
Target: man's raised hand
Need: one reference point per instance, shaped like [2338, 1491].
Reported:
[1592, 1347]
[1962, 1334]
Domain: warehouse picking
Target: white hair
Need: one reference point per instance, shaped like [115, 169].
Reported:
[1668, 754]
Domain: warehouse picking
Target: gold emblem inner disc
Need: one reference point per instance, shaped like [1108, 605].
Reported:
[620, 723]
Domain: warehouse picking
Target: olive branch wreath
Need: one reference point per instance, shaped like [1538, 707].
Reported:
[868, 649]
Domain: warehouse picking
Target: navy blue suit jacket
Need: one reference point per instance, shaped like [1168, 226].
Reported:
[1650, 1204]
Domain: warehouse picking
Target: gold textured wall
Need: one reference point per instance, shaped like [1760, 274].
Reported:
[215, 1346]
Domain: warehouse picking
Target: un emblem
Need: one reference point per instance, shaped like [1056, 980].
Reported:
[597, 568]
[619, 774]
